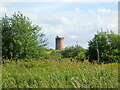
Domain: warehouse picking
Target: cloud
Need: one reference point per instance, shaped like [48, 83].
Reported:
[103, 10]
[73, 37]
[74, 25]
[91, 11]
[65, 20]
[32, 16]
[3, 9]
[79, 26]
[78, 10]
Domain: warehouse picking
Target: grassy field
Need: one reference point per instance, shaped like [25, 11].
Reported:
[59, 74]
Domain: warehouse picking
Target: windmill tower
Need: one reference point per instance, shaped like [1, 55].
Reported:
[59, 43]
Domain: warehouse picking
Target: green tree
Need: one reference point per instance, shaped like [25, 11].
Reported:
[104, 47]
[76, 52]
[20, 38]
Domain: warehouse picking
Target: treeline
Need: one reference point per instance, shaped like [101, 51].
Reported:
[23, 40]
[103, 48]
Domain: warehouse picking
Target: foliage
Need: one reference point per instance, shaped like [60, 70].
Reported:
[59, 74]
[107, 45]
[21, 39]
[55, 54]
[76, 52]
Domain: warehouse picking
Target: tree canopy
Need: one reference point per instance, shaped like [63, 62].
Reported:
[20, 38]
[104, 47]
[76, 52]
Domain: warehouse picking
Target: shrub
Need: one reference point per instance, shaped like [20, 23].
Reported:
[76, 52]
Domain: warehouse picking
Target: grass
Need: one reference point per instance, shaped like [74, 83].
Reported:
[59, 74]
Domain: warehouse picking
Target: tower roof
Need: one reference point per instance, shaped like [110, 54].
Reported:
[60, 37]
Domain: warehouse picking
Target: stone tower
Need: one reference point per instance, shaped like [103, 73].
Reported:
[59, 43]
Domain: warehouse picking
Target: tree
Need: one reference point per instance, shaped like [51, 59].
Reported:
[104, 47]
[20, 38]
[76, 52]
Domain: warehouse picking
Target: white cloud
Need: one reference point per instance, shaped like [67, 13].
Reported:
[79, 26]
[65, 20]
[91, 11]
[103, 10]
[32, 16]
[74, 26]
[78, 10]
[3, 9]
[73, 36]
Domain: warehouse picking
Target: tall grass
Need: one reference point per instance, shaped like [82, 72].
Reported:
[59, 74]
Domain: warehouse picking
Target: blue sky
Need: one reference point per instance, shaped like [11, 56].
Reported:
[73, 21]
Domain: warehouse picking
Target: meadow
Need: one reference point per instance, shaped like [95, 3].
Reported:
[59, 74]
[66, 67]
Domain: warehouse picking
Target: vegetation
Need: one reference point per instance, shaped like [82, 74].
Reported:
[104, 47]
[59, 74]
[21, 39]
[28, 64]
[75, 52]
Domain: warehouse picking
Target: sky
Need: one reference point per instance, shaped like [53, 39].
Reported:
[77, 22]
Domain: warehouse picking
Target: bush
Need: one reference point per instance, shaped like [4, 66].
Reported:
[76, 52]
[55, 54]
